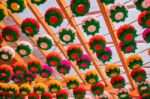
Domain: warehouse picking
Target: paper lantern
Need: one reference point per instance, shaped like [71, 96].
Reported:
[19, 68]
[144, 19]
[18, 79]
[67, 34]
[91, 25]
[54, 17]
[30, 27]
[46, 72]
[72, 82]
[112, 70]
[97, 89]
[142, 5]
[53, 59]
[91, 77]
[62, 94]
[79, 92]
[29, 76]
[80, 7]
[97, 43]
[25, 89]
[54, 85]
[39, 88]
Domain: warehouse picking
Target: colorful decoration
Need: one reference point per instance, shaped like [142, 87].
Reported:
[107, 1]
[67, 34]
[123, 94]
[118, 82]
[24, 48]
[112, 70]
[105, 56]
[25, 89]
[97, 43]
[18, 96]
[80, 7]
[143, 5]
[64, 67]
[33, 96]
[6, 72]
[46, 71]
[91, 25]
[91, 77]
[74, 52]
[54, 85]
[139, 75]
[30, 27]
[62, 94]
[126, 33]
[3, 12]
[7, 53]
[38, 2]
[39, 88]
[72, 82]
[3, 87]
[44, 42]
[11, 33]
[1, 38]
[84, 62]
[104, 96]
[134, 61]
[144, 19]
[128, 48]
[54, 16]
[19, 79]
[118, 13]
[53, 59]
[47, 95]
[35, 65]
[29, 76]
[79, 92]
[12, 89]
[146, 35]
[97, 89]
[144, 89]
[16, 6]
[19, 68]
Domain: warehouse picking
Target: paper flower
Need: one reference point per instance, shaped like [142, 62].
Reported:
[18, 96]
[12, 89]
[47, 95]
[84, 62]
[62, 94]
[29, 76]
[3, 12]
[39, 88]
[126, 33]
[44, 42]
[144, 19]
[19, 68]
[64, 67]
[105, 56]
[123, 94]
[16, 6]
[25, 89]
[80, 7]
[97, 89]
[91, 25]
[134, 61]
[112, 70]
[118, 13]
[6, 72]
[142, 5]
[72, 82]
[79, 92]
[35, 65]
[24, 48]
[30, 27]
[46, 72]
[97, 43]
[74, 52]
[7, 53]
[11, 33]
[38, 2]
[18, 78]
[139, 75]
[54, 85]
[67, 34]
[91, 77]
[53, 59]
[128, 48]
[118, 82]
[146, 35]
[33, 96]
[54, 16]
[3, 87]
